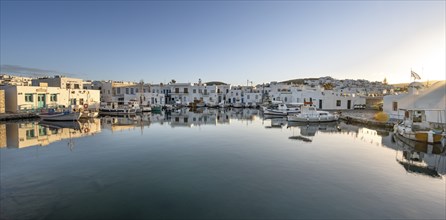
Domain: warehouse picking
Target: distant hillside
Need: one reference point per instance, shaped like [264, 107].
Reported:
[298, 81]
[217, 83]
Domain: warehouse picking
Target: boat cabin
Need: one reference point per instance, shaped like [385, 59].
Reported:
[418, 118]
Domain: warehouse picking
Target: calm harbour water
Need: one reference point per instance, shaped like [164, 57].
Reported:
[232, 164]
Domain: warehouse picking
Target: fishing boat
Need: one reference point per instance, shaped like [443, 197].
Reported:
[212, 105]
[200, 105]
[269, 104]
[415, 127]
[311, 114]
[237, 105]
[89, 111]
[66, 115]
[281, 109]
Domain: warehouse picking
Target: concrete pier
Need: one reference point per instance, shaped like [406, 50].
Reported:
[364, 117]
[16, 116]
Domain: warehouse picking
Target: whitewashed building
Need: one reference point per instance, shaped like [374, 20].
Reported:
[244, 95]
[115, 91]
[15, 80]
[317, 96]
[180, 93]
[60, 81]
[25, 98]
[146, 99]
[162, 89]
[432, 98]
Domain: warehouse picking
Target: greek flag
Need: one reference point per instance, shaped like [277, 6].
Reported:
[414, 75]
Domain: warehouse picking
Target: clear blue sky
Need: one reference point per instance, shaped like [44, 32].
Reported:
[225, 41]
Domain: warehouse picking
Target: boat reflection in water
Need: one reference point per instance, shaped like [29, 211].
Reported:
[309, 130]
[128, 122]
[276, 122]
[21, 135]
[421, 158]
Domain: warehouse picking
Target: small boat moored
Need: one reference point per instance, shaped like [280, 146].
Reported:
[415, 127]
[281, 109]
[311, 114]
[66, 115]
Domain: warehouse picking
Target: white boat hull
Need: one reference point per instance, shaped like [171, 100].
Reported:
[237, 105]
[309, 118]
[279, 112]
[420, 136]
[62, 116]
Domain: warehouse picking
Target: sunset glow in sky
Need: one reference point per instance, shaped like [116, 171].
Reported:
[226, 41]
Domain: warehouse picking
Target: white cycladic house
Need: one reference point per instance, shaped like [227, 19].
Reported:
[145, 99]
[322, 99]
[431, 99]
[244, 95]
[180, 93]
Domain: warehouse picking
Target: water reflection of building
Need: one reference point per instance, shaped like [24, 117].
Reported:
[310, 129]
[126, 123]
[207, 116]
[248, 114]
[2, 135]
[178, 118]
[20, 135]
[362, 133]
[187, 118]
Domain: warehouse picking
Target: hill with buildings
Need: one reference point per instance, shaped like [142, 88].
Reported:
[298, 81]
